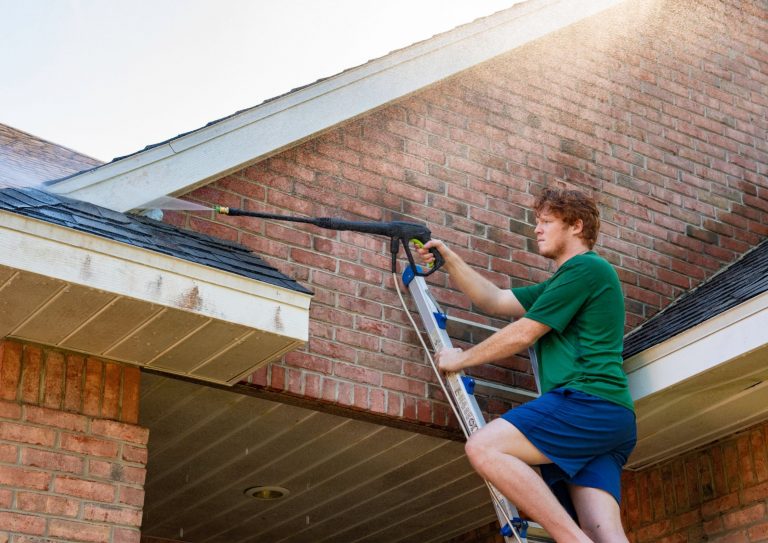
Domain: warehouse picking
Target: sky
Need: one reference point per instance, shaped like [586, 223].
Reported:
[108, 77]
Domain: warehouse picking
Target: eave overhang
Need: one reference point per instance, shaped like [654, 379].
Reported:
[81, 292]
[199, 157]
[701, 385]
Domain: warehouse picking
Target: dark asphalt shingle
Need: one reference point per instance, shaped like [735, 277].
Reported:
[144, 232]
[734, 285]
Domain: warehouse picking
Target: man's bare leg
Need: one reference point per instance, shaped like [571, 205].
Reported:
[500, 453]
[599, 514]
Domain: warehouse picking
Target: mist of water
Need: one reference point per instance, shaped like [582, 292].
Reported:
[164, 202]
[174, 204]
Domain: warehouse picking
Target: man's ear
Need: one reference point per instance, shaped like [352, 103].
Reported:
[578, 227]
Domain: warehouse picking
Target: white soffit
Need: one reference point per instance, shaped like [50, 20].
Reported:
[701, 385]
[211, 152]
[90, 294]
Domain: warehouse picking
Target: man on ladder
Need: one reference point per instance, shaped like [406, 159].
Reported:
[581, 430]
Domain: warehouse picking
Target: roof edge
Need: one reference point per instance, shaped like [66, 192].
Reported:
[698, 349]
[687, 295]
[26, 233]
[201, 156]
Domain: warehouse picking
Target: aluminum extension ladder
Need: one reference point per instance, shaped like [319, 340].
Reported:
[462, 387]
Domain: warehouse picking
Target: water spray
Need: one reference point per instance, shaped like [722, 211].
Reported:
[398, 232]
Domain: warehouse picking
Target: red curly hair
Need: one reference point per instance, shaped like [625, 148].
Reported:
[570, 206]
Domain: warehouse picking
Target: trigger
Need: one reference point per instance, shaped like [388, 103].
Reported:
[419, 244]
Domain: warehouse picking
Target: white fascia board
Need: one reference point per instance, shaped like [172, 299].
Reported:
[211, 152]
[92, 261]
[716, 341]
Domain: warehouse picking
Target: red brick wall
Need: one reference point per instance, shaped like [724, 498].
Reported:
[72, 459]
[659, 108]
[716, 493]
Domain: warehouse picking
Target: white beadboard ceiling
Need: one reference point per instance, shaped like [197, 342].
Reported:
[348, 480]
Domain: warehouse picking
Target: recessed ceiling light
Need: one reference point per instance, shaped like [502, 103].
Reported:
[266, 492]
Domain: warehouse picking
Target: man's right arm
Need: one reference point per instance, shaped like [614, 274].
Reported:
[485, 295]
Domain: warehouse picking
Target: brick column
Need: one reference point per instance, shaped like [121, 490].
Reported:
[718, 492]
[72, 457]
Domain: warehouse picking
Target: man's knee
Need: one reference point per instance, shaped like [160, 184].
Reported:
[501, 437]
[485, 446]
[477, 450]
[483, 449]
[602, 525]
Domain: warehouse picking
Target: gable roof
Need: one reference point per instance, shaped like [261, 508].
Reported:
[145, 233]
[85, 278]
[27, 160]
[734, 285]
[196, 158]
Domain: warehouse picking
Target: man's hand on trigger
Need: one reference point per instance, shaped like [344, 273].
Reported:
[426, 257]
[450, 359]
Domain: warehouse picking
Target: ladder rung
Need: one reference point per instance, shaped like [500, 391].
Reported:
[515, 394]
[472, 324]
[531, 352]
[519, 395]
[537, 533]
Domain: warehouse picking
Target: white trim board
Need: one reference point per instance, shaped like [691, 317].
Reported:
[92, 261]
[725, 337]
[211, 152]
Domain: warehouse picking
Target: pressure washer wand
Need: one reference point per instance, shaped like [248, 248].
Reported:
[398, 232]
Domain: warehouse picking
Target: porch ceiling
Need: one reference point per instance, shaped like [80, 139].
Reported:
[697, 411]
[348, 480]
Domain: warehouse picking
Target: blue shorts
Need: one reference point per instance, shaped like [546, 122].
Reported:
[588, 439]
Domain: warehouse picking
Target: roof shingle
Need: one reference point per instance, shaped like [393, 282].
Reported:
[742, 280]
[145, 233]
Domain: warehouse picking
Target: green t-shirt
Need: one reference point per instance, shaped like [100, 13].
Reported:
[583, 304]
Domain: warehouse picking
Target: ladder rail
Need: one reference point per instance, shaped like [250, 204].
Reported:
[468, 411]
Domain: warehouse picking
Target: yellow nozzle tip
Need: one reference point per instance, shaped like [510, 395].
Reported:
[221, 209]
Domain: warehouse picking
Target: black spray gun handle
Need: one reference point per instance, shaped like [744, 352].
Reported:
[399, 232]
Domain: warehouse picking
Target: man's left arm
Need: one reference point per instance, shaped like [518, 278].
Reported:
[510, 340]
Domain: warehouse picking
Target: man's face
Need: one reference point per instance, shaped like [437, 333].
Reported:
[552, 234]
